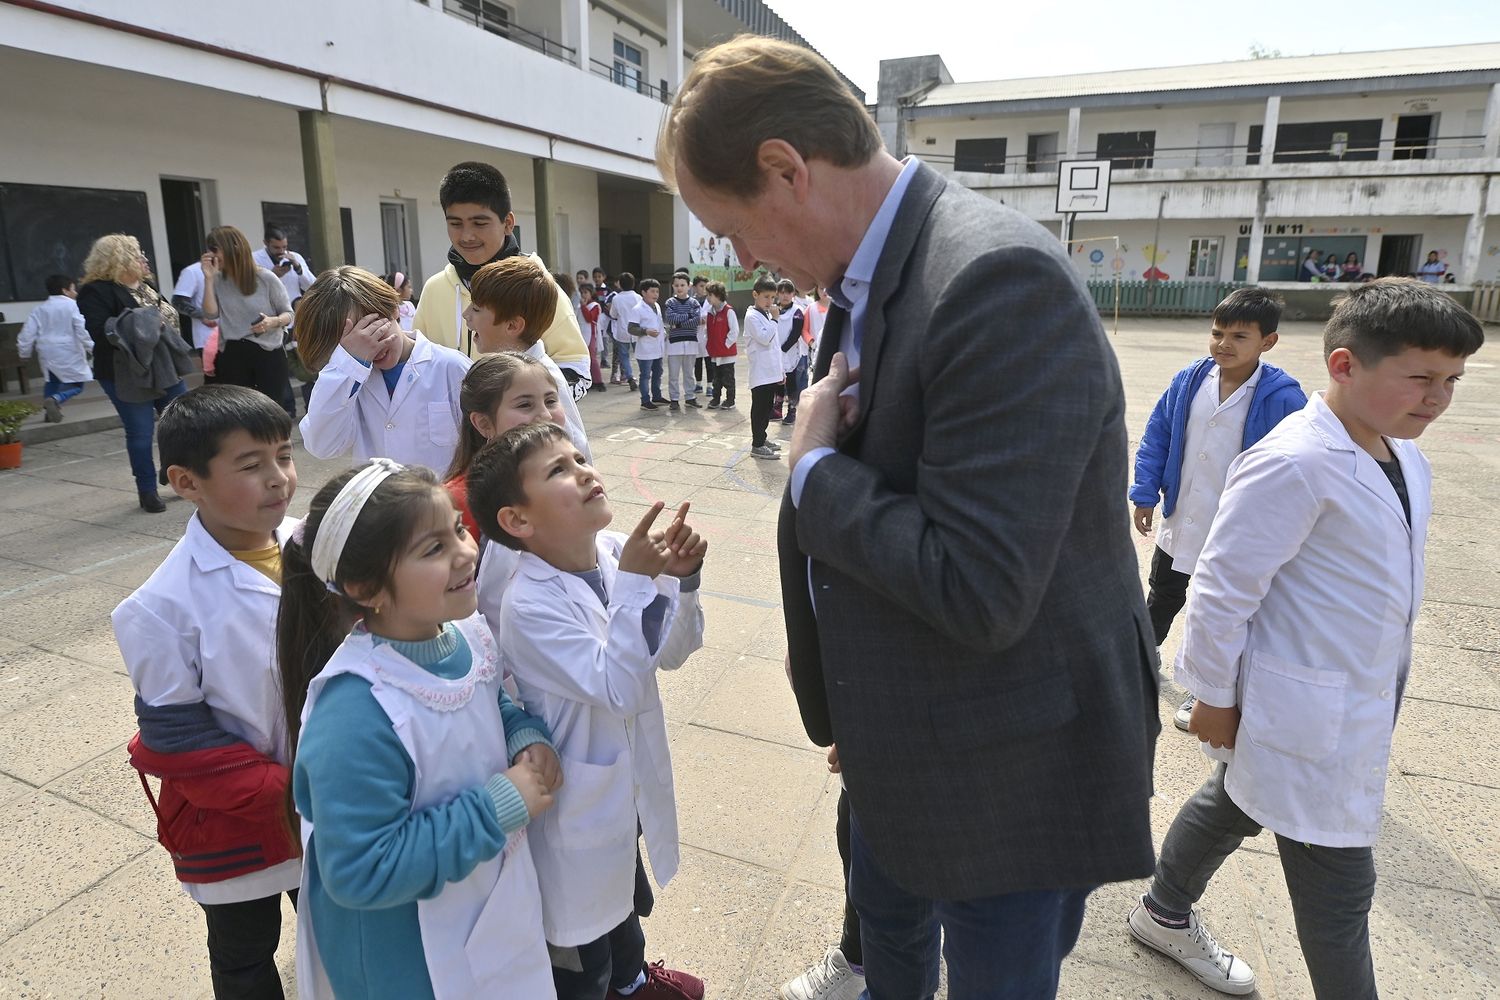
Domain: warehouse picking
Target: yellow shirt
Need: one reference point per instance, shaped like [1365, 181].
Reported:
[266, 560]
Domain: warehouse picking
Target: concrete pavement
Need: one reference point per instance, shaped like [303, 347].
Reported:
[88, 907]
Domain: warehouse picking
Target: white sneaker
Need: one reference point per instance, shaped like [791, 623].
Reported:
[1195, 949]
[1183, 717]
[830, 979]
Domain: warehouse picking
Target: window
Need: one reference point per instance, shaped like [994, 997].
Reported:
[1129, 150]
[1320, 142]
[1414, 137]
[395, 237]
[1203, 258]
[1216, 145]
[496, 18]
[982, 156]
[630, 67]
[1041, 152]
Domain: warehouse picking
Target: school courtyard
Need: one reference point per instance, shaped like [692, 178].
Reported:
[89, 908]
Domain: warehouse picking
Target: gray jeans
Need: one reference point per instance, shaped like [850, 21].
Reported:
[680, 376]
[1331, 887]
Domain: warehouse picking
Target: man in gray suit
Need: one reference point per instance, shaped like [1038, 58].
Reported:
[964, 612]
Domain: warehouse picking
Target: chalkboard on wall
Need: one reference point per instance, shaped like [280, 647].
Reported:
[45, 230]
[292, 220]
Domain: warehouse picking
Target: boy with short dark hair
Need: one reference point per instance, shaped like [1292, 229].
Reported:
[645, 324]
[1298, 640]
[589, 617]
[763, 357]
[680, 316]
[1214, 409]
[198, 641]
[721, 335]
[55, 332]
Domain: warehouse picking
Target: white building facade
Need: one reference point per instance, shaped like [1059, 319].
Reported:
[1234, 171]
[337, 120]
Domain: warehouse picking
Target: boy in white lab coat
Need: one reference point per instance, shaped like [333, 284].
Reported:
[1298, 638]
[588, 619]
[763, 358]
[198, 641]
[381, 392]
[55, 332]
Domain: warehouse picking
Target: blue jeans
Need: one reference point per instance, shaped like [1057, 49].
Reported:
[621, 368]
[60, 391]
[140, 425]
[650, 378]
[998, 948]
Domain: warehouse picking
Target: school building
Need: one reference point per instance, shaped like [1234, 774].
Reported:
[167, 118]
[1233, 171]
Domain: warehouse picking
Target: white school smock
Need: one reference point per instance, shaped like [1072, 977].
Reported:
[621, 309]
[190, 285]
[203, 628]
[649, 318]
[418, 425]
[482, 936]
[762, 348]
[588, 673]
[56, 332]
[1215, 435]
[574, 419]
[1301, 615]
[791, 358]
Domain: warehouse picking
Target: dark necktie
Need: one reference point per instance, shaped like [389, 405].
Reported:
[830, 344]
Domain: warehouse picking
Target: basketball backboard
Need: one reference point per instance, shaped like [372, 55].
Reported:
[1083, 186]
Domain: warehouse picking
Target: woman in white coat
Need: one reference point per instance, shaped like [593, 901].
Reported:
[381, 392]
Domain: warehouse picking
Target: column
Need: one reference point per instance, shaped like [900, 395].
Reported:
[1268, 130]
[575, 26]
[546, 220]
[1492, 124]
[325, 230]
[674, 47]
[680, 249]
[1257, 235]
[1468, 264]
[1075, 120]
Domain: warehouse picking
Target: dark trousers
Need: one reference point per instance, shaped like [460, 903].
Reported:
[723, 380]
[1006, 947]
[699, 364]
[1331, 887]
[140, 425]
[1167, 594]
[612, 962]
[242, 940]
[243, 362]
[796, 381]
[849, 942]
[761, 398]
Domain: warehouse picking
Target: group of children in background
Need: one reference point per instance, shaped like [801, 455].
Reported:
[451, 798]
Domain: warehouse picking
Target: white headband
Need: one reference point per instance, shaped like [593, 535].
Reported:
[339, 520]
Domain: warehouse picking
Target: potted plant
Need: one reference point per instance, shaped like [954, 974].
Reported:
[13, 414]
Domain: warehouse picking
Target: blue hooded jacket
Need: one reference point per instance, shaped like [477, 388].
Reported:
[1158, 460]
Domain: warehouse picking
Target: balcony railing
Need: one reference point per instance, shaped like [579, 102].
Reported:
[1181, 157]
[616, 73]
[495, 19]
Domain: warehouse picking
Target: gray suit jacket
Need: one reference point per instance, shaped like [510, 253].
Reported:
[980, 650]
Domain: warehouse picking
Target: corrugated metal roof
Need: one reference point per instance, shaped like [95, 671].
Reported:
[1246, 73]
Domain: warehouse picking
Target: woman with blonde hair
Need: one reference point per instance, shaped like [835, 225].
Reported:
[253, 311]
[115, 280]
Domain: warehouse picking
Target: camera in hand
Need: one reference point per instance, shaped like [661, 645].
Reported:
[284, 262]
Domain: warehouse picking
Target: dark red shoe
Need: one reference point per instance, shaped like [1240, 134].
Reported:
[665, 984]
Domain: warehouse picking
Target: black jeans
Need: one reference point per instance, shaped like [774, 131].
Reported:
[761, 397]
[1167, 594]
[723, 380]
[612, 962]
[243, 362]
[242, 940]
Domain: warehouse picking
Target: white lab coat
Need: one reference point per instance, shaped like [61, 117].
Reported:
[791, 358]
[418, 425]
[1301, 615]
[202, 628]
[190, 286]
[55, 331]
[587, 671]
[574, 419]
[648, 317]
[482, 934]
[621, 309]
[762, 349]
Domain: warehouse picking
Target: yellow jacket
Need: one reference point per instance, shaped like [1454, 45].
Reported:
[440, 318]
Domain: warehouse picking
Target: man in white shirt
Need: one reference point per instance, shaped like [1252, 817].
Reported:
[297, 276]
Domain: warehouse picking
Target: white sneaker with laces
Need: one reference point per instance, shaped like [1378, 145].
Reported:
[1195, 949]
[830, 979]
[1183, 717]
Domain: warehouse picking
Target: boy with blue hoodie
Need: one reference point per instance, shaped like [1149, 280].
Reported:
[1214, 409]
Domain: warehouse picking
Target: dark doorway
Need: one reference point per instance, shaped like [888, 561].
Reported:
[1414, 137]
[182, 205]
[1398, 255]
[632, 254]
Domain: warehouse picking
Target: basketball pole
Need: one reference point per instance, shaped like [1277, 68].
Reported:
[1101, 239]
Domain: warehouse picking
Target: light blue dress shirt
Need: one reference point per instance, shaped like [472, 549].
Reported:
[852, 294]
